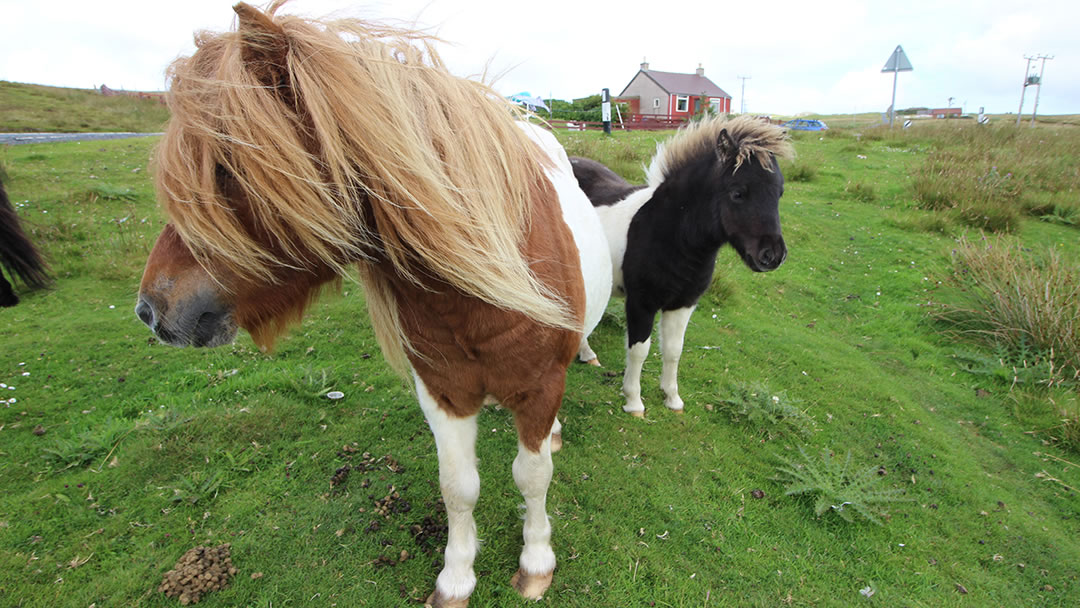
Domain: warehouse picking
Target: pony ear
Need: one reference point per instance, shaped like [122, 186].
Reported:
[725, 145]
[264, 47]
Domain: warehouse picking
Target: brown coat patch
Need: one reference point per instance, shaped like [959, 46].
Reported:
[467, 349]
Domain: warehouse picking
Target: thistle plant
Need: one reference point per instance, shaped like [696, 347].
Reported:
[772, 413]
[839, 488]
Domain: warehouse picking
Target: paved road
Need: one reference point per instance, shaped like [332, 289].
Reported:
[41, 138]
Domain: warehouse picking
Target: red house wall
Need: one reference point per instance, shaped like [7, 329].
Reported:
[725, 105]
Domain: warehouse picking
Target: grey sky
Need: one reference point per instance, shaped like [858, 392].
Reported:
[823, 56]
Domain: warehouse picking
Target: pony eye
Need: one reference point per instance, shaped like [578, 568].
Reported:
[736, 195]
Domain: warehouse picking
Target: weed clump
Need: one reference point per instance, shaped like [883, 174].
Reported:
[80, 447]
[771, 413]
[198, 572]
[839, 488]
[861, 191]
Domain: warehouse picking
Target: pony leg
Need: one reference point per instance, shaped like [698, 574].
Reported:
[638, 329]
[7, 294]
[586, 354]
[556, 436]
[455, 440]
[631, 384]
[672, 332]
[532, 474]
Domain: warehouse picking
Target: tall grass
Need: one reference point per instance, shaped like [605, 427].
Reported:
[988, 178]
[1027, 304]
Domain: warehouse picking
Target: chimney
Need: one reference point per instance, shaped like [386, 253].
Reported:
[700, 70]
[644, 65]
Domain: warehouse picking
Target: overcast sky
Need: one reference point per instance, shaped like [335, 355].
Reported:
[823, 56]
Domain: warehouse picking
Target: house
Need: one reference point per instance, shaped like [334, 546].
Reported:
[946, 113]
[673, 95]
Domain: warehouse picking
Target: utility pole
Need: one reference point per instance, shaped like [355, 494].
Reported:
[1027, 70]
[742, 96]
[1039, 90]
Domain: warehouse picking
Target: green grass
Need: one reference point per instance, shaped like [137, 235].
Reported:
[37, 108]
[178, 448]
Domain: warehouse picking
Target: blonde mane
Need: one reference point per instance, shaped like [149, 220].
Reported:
[351, 143]
[753, 138]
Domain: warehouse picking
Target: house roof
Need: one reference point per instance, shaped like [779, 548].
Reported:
[681, 84]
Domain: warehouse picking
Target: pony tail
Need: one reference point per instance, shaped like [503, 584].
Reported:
[17, 253]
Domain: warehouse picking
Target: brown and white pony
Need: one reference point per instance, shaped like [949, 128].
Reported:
[298, 150]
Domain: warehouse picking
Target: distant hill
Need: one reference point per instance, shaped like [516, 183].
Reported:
[28, 108]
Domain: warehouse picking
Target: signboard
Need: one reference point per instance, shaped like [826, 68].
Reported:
[898, 61]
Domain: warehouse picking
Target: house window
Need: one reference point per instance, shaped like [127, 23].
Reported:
[656, 102]
[714, 106]
[682, 103]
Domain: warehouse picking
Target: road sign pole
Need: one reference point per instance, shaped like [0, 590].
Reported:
[892, 106]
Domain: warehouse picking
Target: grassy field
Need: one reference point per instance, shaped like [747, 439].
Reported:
[118, 454]
[36, 108]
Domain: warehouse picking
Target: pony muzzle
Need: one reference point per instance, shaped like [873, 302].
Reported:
[768, 254]
[201, 322]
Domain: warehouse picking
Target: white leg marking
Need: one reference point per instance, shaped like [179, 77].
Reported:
[455, 439]
[631, 385]
[586, 354]
[672, 331]
[532, 474]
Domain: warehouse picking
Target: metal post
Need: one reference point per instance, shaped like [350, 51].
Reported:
[892, 106]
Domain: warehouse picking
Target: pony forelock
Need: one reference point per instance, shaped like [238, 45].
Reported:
[329, 143]
[753, 138]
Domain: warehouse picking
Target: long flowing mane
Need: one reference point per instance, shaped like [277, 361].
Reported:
[350, 142]
[753, 137]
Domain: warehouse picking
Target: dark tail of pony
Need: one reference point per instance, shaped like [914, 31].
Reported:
[17, 254]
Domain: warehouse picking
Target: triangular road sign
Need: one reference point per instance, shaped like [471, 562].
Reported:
[898, 62]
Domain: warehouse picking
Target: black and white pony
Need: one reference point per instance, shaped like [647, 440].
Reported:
[715, 182]
[17, 254]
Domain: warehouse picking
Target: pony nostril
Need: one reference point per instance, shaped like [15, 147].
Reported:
[767, 257]
[145, 312]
